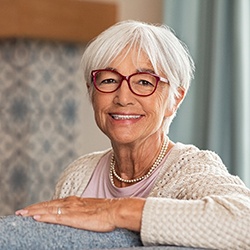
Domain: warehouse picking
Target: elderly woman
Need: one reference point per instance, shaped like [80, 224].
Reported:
[137, 75]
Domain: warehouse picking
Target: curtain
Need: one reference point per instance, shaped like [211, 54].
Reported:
[216, 112]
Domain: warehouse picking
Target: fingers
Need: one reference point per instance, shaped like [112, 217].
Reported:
[85, 221]
[30, 211]
[81, 214]
[90, 214]
[50, 207]
[69, 204]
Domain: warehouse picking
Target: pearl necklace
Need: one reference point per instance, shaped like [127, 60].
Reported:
[154, 166]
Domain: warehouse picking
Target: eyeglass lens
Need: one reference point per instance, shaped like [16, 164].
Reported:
[140, 83]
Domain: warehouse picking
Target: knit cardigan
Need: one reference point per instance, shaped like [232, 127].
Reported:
[195, 201]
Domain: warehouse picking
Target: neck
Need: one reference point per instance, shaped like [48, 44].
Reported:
[131, 166]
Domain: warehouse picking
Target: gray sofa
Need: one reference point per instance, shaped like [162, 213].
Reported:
[17, 232]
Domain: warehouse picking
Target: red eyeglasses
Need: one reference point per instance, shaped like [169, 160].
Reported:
[141, 83]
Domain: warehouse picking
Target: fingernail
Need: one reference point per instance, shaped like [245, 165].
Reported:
[21, 212]
[36, 217]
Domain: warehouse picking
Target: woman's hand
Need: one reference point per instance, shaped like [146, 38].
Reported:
[100, 215]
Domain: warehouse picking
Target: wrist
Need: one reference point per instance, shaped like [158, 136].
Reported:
[128, 213]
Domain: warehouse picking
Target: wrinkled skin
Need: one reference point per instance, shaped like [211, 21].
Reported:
[100, 215]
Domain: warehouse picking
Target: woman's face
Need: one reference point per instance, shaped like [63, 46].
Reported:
[125, 117]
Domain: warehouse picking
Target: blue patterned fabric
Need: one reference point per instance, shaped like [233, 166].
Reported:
[40, 107]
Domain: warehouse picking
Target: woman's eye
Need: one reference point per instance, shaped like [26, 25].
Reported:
[109, 80]
[145, 83]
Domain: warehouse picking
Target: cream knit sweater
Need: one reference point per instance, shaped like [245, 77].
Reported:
[195, 201]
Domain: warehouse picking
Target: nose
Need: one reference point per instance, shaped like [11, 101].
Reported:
[124, 96]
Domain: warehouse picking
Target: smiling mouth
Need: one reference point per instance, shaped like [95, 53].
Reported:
[125, 117]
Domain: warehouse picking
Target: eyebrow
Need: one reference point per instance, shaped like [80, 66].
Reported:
[110, 68]
[146, 70]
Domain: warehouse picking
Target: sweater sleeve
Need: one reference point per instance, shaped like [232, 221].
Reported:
[213, 222]
[197, 203]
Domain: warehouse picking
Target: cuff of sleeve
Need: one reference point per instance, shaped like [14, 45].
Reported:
[148, 233]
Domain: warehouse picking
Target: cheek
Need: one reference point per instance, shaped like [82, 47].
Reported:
[98, 114]
[97, 100]
[99, 103]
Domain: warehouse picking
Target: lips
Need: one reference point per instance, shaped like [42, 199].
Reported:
[124, 117]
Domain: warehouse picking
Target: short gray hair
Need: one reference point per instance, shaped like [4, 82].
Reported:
[167, 54]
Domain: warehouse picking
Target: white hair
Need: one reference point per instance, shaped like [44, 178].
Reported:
[167, 54]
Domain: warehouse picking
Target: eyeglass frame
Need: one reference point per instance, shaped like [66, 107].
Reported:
[127, 78]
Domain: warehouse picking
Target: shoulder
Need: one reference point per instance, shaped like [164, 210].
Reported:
[89, 159]
[189, 162]
[75, 177]
[191, 173]
[84, 163]
[190, 155]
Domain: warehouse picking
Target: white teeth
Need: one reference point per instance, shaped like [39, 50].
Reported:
[124, 117]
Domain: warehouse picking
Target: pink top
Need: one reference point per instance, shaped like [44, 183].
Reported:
[100, 185]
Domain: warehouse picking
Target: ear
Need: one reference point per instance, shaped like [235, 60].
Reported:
[178, 101]
[180, 97]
